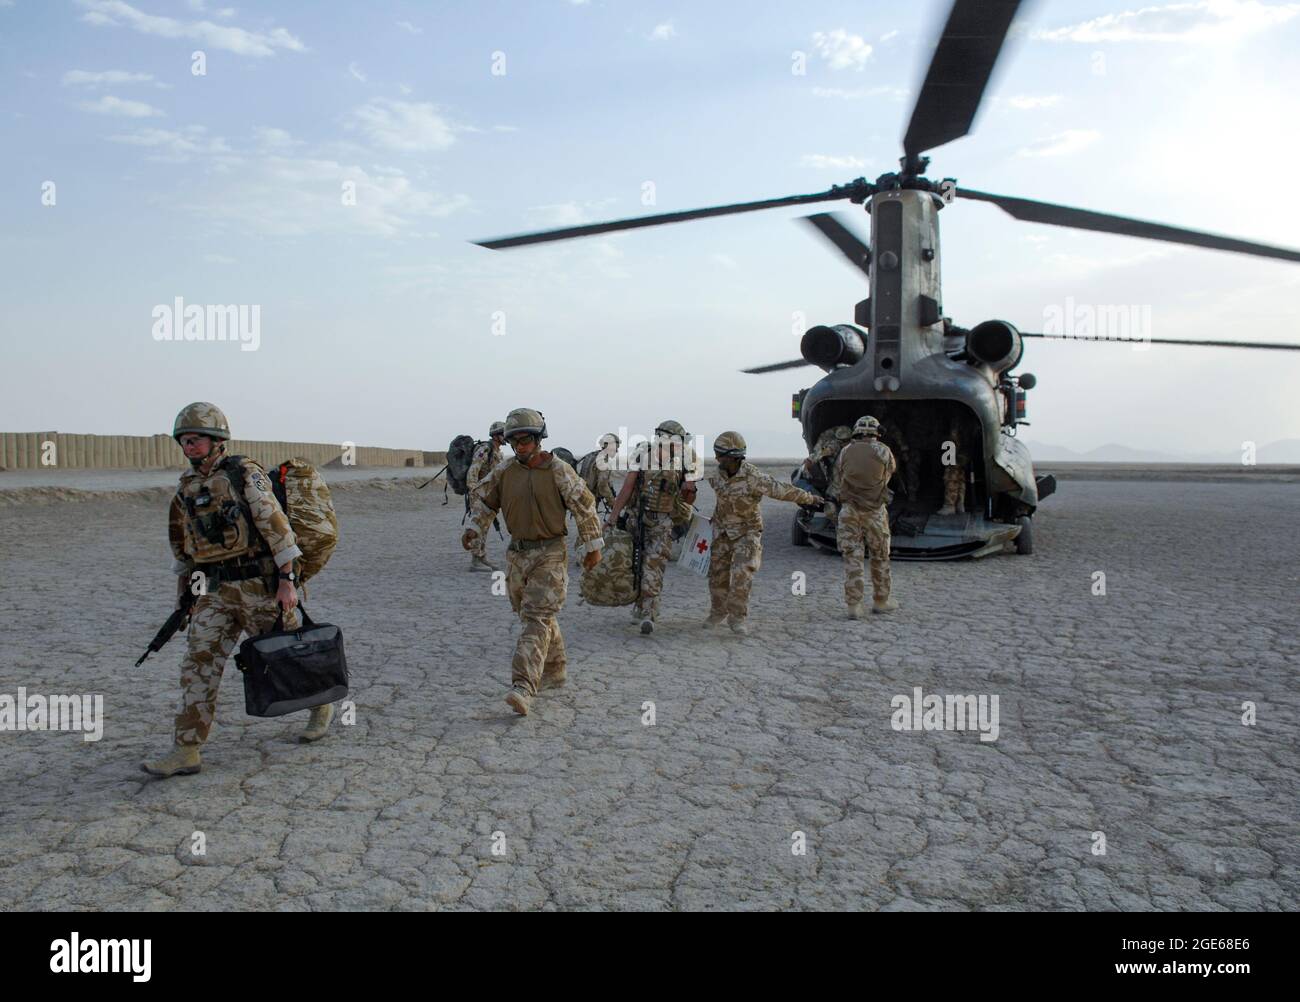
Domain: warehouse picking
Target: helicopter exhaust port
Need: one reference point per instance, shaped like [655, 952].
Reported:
[995, 343]
[827, 347]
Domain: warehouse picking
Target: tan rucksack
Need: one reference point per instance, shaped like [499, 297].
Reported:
[305, 498]
[613, 580]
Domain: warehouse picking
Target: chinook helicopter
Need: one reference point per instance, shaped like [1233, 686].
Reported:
[943, 394]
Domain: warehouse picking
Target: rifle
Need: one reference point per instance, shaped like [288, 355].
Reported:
[432, 478]
[174, 622]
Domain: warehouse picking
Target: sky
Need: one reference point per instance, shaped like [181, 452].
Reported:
[329, 164]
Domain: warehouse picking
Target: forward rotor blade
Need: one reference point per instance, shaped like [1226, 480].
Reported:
[1084, 219]
[959, 72]
[777, 366]
[845, 240]
[1170, 340]
[591, 229]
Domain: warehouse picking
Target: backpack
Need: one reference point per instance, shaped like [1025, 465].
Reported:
[588, 471]
[460, 454]
[305, 498]
[566, 455]
[612, 582]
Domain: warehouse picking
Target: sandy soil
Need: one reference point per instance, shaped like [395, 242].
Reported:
[1119, 714]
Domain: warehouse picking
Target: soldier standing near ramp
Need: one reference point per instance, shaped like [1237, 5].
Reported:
[486, 458]
[738, 528]
[657, 477]
[242, 547]
[533, 492]
[860, 485]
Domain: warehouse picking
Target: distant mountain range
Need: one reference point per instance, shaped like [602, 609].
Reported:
[1285, 451]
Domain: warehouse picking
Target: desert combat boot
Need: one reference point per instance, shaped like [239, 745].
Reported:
[318, 723]
[183, 760]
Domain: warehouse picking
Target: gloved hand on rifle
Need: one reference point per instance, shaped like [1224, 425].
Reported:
[815, 506]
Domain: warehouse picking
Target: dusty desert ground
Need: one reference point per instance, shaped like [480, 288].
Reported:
[1120, 714]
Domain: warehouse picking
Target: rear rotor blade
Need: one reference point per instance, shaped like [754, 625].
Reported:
[959, 72]
[777, 366]
[591, 229]
[1170, 340]
[1084, 219]
[845, 240]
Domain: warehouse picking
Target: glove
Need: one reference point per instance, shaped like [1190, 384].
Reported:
[680, 530]
[591, 560]
[467, 538]
[814, 506]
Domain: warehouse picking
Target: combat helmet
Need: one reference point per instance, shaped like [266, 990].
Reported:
[496, 428]
[843, 432]
[866, 426]
[729, 443]
[609, 438]
[201, 419]
[525, 421]
[668, 429]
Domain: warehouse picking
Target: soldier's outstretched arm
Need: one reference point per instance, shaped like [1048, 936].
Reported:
[624, 494]
[780, 491]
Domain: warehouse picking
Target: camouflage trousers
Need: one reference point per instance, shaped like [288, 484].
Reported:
[954, 487]
[861, 529]
[732, 566]
[537, 581]
[216, 621]
[658, 545]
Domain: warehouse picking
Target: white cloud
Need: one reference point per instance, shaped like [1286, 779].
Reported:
[1061, 144]
[842, 50]
[1205, 21]
[725, 261]
[356, 72]
[87, 78]
[1029, 102]
[172, 146]
[218, 259]
[409, 28]
[404, 126]
[117, 13]
[889, 35]
[109, 105]
[272, 139]
[821, 161]
[662, 32]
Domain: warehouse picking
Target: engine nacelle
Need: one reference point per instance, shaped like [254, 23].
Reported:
[827, 347]
[995, 343]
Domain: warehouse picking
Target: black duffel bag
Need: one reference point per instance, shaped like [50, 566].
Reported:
[288, 670]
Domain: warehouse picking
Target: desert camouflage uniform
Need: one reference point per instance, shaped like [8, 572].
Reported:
[537, 579]
[657, 543]
[738, 534]
[232, 607]
[859, 525]
[486, 458]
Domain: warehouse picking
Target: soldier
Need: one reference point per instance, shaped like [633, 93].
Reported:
[954, 475]
[603, 466]
[487, 455]
[533, 492]
[657, 476]
[860, 485]
[821, 460]
[738, 528]
[238, 551]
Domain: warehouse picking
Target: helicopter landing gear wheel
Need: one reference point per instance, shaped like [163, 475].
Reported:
[797, 534]
[1025, 541]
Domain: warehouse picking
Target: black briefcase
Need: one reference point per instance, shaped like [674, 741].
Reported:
[288, 670]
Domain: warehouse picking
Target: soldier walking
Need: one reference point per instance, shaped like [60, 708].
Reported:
[237, 550]
[487, 456]
[860, 485]
[657, 486]
[533, 492]
[738, 529]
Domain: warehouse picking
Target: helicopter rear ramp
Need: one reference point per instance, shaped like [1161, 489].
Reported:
[917, 536]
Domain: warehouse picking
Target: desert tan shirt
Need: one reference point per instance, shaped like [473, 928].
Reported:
[862, 472]
[736, 512]
[534, 502]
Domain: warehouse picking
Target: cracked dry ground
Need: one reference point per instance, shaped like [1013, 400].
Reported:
[1120, 714]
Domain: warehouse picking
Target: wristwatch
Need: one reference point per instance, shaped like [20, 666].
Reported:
[290, 576]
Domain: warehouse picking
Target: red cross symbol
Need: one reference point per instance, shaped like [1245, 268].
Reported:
[702, 545]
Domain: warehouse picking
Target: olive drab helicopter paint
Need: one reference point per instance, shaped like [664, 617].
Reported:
[946, 395]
